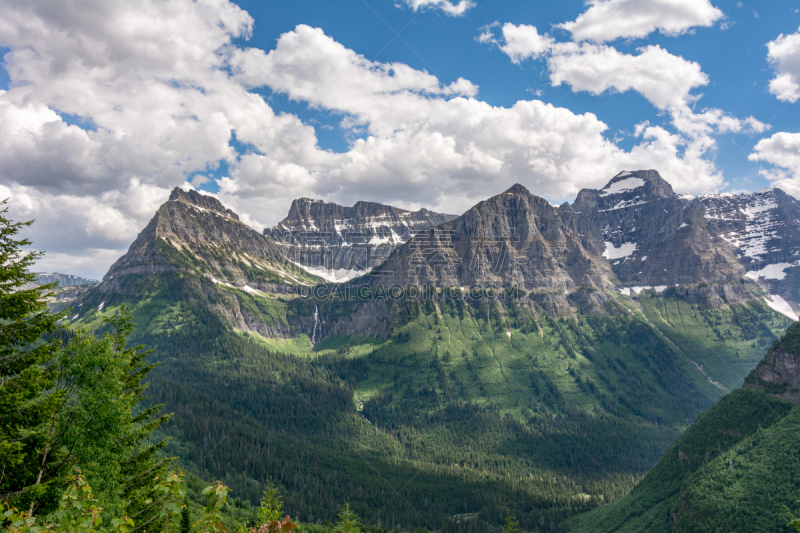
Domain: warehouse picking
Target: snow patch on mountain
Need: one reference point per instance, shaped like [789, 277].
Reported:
[622, 204]
[250, 290]
[625, 249]
[623, 186]
[780, 305]
[775, 271]
[339, 275]
[636, 290]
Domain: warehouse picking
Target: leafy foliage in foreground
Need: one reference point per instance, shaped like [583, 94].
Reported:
[71, 405]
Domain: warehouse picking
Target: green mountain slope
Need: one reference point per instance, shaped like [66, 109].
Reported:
[733, 470]
[431, 408]
[466, 408]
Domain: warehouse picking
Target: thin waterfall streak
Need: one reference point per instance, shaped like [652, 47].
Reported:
[316, 321]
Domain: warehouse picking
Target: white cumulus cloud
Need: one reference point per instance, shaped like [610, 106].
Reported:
[607, 20]
[664, 79]
[520, 42]
[448, 7]
[422, 132]
[782, 150]
[784, 55]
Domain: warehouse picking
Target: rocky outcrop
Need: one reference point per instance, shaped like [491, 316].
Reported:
[779, 371]
[335, 237]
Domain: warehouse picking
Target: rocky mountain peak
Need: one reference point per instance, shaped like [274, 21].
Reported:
[193, 197]
[650, 236]
[304, 210]
[195, 234]
[303, 207]
[654, 185]
[626, 189]
[517, 189]
[512, 239]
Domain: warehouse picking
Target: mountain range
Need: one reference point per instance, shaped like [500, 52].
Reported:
[63, 280]
[519, 357]
[339, 242]
[634, 234]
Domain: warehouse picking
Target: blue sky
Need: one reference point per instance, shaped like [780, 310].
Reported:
[734, 59]
[415, 103]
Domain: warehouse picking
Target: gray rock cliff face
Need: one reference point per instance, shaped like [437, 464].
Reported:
[320, 234]
[635, 232]
[196, 233]
[782, 369]
[649, 235]
[779, 371]
[763, 228]
[513, 239]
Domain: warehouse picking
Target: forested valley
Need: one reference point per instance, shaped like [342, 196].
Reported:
[151, 413]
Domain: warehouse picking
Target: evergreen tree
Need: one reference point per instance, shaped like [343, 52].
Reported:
[186, 518]
[143, 466]
[794, 522]
[271, 505]
[348, 521]
[28, 459]
[512, 524]
[61, 408]
[102, 383]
